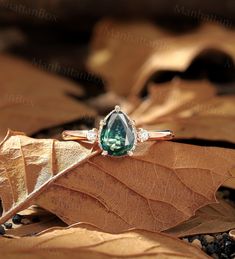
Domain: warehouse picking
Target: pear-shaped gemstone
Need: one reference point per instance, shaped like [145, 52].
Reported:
[117, 135]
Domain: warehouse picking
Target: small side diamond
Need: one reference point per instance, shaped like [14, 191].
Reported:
[92, 135]
[143, 135]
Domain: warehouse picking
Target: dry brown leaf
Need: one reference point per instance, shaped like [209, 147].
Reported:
[26, 108]
[162, 185]
[206, 127]
[169, 99]
[119, 49]
[183, 49]
[33, 164]
[126, 55]
[213, 218]
[191, 110]
[211, 120]
[86, 241]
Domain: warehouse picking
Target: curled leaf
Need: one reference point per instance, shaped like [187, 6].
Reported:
[127, 54]
[213, 218]
[119, 49]
[190, 109]
[86, 241]
[167, 101]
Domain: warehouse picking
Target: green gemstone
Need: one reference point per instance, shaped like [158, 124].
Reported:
[117, 136]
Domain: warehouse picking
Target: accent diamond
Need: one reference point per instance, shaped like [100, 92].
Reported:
[92, 135]
[143, 135]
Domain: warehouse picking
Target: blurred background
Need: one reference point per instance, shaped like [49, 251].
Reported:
[103, 47]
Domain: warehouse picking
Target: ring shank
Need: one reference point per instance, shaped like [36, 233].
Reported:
[160, 135]
[74, 134]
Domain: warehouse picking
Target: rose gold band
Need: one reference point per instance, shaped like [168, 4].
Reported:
[160, 135]
[74, 134]
[82, 135]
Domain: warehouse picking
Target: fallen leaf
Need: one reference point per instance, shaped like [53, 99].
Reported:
[86, 241]
[162, 185]
[119, 49]
[127, 54]
[213, 120]
[169, 99]
[182, 50]
[23, 107]
[34, 164]
[187, 110]
[213, 218]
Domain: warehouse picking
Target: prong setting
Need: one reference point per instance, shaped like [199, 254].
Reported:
[130, 153]
[102, 123]
[104, 153]
[117, 108]
[132, 123]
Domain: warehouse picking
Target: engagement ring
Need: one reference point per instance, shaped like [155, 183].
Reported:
[117, 134]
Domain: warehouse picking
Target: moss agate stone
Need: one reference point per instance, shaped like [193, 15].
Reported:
[117, 135]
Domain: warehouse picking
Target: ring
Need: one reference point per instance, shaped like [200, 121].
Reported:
[117, 134]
